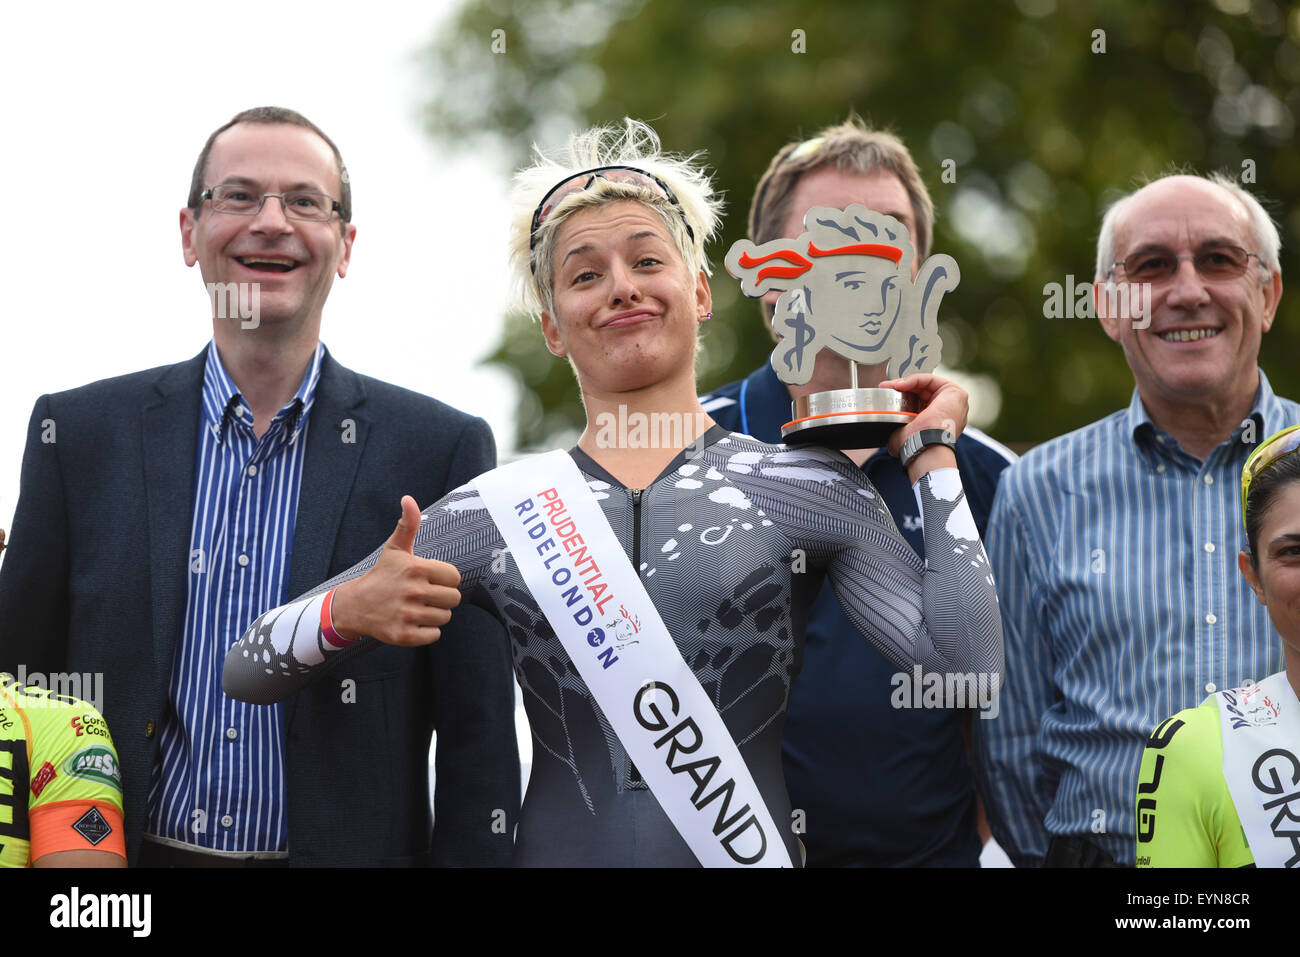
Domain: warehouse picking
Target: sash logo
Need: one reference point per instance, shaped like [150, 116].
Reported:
[685, 738]
[1258, 707]
[581, 564]
[1246, 711]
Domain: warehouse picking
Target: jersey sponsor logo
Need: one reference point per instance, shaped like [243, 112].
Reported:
[42, 777]
[95, 763]
[1164, 733]
[89, 723]
[14, 778]
[92, 826]
[1146, 806]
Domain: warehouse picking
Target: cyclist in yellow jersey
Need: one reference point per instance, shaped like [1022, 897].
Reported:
[1220, 783]
[1185, 815]
[60, 787]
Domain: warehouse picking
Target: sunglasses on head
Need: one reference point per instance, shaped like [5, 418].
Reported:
[1272, 449]
[579, 182]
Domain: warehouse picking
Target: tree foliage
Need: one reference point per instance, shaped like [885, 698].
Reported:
[1046, 111]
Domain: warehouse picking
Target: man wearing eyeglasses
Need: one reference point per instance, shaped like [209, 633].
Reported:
[1114, 547]
[173, 504]
[873, 784]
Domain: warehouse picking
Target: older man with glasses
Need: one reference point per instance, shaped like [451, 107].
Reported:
[1114, 547]
[160, 511]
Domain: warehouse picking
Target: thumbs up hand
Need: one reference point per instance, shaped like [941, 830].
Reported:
[403, 599]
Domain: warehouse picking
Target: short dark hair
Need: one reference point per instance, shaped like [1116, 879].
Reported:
[1264, 490]
[269, 115]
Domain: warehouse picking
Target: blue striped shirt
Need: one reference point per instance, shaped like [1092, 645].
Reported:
[1115, 554]
[220, 782]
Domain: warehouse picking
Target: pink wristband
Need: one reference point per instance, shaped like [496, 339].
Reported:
[327, 622]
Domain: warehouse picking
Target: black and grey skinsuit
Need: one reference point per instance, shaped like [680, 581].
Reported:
[732, 542]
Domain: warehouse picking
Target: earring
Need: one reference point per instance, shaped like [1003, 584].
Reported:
[707, 315]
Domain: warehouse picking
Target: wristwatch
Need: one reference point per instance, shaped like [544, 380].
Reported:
[919, 441]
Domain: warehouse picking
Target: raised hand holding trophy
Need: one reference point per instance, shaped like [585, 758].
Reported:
[846, 285]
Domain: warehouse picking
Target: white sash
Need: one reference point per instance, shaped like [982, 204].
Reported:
[582, 580]
[1260, 728]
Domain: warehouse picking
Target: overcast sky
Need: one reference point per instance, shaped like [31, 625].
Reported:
[98, 96]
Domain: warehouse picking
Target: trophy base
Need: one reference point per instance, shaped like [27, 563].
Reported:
[848, 418]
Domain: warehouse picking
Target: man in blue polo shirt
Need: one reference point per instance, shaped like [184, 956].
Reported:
[877, 785]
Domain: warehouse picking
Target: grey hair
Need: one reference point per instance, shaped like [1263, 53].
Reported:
[1268, 243]
[634, 144]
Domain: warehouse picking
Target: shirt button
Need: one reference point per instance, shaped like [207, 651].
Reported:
[148, 729]
[243, 561]
[1208, 480]
[227, 820]
[1211, 687]
[239, 411]
[1209, 546]
[231, 733]
[1210, 619]
[252, 470]
[1161, 468]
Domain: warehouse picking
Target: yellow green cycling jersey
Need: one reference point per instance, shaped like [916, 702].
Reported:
[1185, 813]
[60, 786]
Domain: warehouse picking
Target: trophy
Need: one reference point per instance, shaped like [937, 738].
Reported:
[846, 285]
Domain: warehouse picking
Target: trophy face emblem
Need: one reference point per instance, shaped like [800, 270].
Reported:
[846, 285]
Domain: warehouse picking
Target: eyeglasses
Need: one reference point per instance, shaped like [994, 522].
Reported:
[1269, 452]
[301, 204]
[579, 182]
[1214, 264]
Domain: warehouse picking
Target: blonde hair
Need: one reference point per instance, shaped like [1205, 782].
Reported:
[635, 145]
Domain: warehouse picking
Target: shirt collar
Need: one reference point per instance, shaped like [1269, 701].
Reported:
[223, 403]
[1267, 415]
